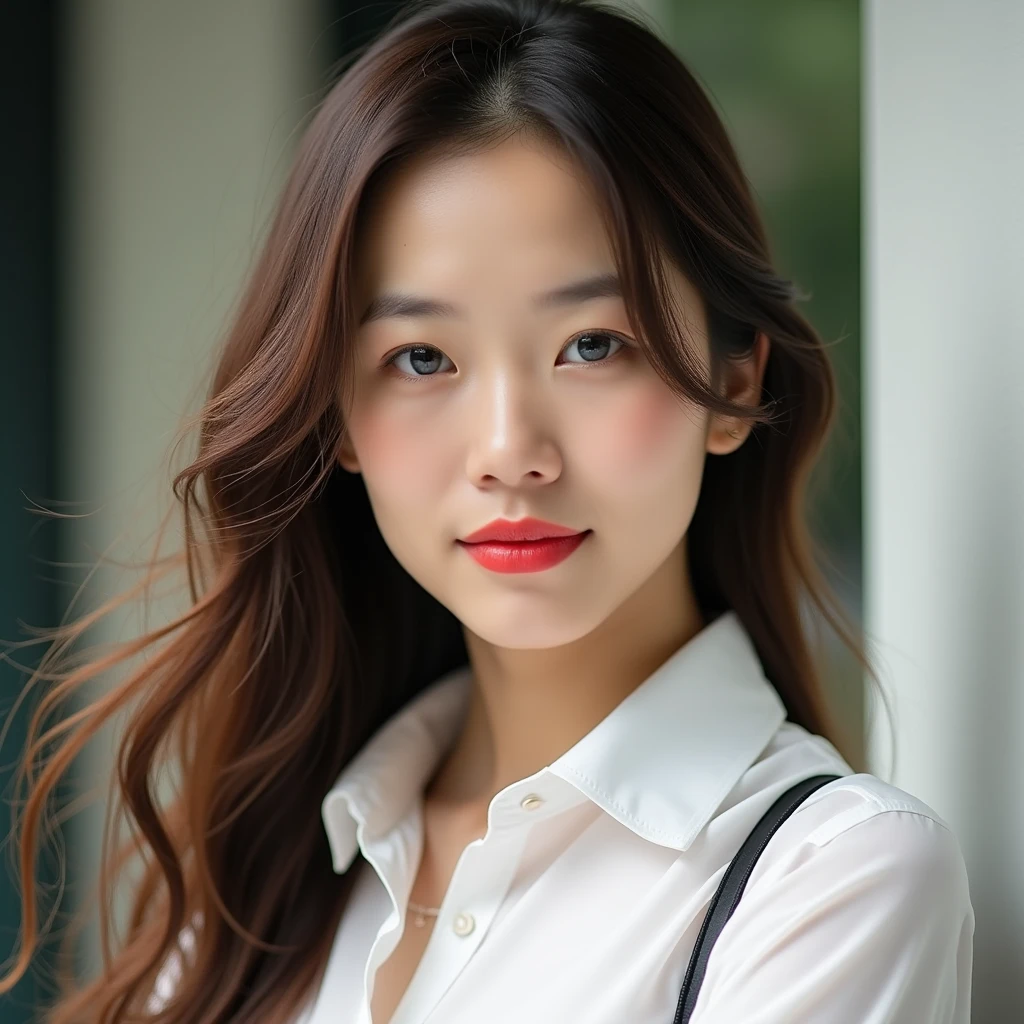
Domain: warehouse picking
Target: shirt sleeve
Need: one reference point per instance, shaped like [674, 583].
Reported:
[873, 924]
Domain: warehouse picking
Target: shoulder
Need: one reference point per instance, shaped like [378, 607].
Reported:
[858, 907]
[860, 808]
[859, 823]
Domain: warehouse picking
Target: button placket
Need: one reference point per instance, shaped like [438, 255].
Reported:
[464, 923]
[481, 879]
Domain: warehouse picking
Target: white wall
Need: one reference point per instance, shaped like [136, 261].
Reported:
[181, 121]
[944, 453]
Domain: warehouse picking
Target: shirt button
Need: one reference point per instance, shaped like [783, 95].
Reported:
[463, 924]
[531, 802]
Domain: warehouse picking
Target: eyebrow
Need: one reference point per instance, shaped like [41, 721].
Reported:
[401, 304]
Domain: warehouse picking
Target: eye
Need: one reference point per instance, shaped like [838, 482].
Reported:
[421, 357]
[593, 346]
[425, 360]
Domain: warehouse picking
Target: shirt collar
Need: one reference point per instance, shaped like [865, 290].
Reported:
[661, 762]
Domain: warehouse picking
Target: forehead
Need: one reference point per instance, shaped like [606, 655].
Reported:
[490, 231]
[517, 206]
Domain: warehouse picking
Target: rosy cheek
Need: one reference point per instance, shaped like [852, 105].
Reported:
[644, 440]
[396, 457]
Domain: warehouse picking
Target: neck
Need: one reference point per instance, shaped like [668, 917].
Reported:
[528, 707]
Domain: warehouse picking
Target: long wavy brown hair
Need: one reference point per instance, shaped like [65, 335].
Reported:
[281, 668]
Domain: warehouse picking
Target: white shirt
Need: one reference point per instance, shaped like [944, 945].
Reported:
[582, 902]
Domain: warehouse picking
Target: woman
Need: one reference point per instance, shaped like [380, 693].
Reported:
[496, 554]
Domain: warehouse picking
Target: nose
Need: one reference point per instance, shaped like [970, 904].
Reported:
[510, 440]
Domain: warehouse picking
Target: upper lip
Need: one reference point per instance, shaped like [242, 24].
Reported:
[519, 529]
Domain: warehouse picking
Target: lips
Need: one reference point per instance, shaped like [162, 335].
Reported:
[509, 530]
[523, 545]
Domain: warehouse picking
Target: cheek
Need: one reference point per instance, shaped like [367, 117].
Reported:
[648, 441]
[398, 460]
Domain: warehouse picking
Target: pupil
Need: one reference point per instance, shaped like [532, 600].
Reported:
[588, 339]
[415, 357]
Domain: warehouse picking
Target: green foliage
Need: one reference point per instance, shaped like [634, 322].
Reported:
[785, 75]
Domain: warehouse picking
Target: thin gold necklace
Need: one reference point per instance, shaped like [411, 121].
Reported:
[422, 913]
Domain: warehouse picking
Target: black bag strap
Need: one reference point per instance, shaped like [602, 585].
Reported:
[730, 889]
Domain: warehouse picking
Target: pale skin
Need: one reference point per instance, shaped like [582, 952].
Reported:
[504, 418]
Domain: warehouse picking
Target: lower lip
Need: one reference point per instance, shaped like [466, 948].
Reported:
[524, 556]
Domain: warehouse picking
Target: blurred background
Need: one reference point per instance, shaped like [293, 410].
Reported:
[145, 144]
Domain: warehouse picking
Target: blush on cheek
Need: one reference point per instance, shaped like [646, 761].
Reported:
[400, 458]
[648, 431]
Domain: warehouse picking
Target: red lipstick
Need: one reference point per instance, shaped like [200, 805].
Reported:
[522, 545]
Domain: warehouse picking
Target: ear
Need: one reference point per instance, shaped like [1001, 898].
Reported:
[346, 454]
[743, 382]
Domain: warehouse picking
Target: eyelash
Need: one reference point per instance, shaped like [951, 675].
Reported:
[389, 362]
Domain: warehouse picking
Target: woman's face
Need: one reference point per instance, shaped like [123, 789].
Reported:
[514, 407]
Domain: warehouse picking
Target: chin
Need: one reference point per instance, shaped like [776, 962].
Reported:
[527, 629]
